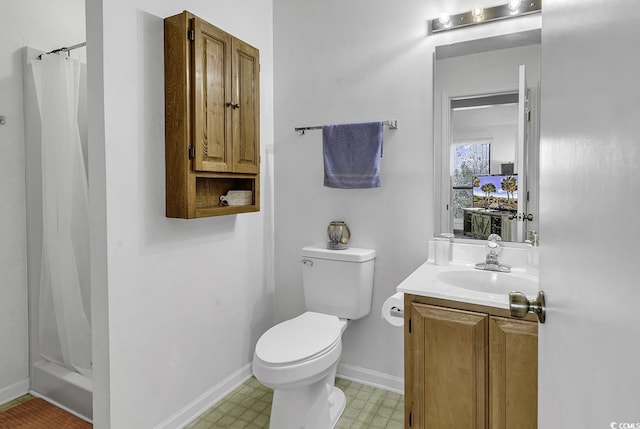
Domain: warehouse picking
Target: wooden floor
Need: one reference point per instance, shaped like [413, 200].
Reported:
[28, 412]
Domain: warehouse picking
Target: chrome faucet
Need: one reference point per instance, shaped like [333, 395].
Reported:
[492, 263]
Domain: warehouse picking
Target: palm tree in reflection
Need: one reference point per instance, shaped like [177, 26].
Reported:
[510, 186]
[488, 188]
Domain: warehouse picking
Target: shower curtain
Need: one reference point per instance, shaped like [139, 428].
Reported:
[64, 323]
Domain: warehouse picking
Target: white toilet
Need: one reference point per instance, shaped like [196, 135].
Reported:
[298, 357]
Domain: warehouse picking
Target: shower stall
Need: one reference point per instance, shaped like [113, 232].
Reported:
[58, 229]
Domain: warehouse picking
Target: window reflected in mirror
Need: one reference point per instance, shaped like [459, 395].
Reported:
[470, 160]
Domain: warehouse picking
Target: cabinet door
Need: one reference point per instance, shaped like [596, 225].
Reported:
[480, 225]
[211, 95]
[246, 108]
[513, 374]
[446, 368]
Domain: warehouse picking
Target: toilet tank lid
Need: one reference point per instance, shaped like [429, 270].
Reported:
[352, 254]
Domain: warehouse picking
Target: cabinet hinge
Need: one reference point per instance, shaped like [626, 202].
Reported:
[191, 35]
[192, 152]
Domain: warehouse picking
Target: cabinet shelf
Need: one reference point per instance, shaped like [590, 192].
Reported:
[209, 188]
[224, 210]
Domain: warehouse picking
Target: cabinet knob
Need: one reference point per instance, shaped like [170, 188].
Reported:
[520, 305]
[233, 106]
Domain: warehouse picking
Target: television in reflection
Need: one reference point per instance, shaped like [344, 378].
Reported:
[496, 192]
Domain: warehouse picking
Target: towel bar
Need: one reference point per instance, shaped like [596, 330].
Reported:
[391, 123]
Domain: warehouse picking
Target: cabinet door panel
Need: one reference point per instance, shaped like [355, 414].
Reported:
[449, 368]
[246, 117]
[212, 92]
[513, 378]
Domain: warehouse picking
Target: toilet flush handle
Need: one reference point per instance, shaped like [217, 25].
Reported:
[307, 262]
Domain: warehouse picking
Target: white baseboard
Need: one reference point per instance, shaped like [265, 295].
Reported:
[370, 377]
[208, 399]
[14, 391]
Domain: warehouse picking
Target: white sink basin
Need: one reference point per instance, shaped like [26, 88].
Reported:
[488, 282]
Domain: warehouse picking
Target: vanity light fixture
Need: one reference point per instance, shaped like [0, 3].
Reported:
[479, 15]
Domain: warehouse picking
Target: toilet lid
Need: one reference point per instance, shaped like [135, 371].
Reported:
[299, 339]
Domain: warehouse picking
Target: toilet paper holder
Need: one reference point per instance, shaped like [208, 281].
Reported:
[396, 312]
[393, 309]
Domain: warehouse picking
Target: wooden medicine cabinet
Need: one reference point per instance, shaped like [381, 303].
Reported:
[212, 118]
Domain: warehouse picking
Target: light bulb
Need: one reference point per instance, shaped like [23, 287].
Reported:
[477, 13]
[444, 18]
[514, 5]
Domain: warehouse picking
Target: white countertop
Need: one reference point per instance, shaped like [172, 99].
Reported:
[424, 282]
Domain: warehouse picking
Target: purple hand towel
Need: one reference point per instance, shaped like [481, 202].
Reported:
[352, 155]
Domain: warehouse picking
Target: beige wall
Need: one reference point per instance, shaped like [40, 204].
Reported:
[357, 61]
[178, 304]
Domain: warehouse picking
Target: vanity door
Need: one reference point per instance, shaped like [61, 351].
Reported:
[447, 369]
[513, 374]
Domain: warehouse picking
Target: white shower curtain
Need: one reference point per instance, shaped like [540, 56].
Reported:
[64, 325]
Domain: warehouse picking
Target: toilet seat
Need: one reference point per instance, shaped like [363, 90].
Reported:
[299, 351]
[303, 338]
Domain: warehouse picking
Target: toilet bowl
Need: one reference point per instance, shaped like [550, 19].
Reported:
[298, 359]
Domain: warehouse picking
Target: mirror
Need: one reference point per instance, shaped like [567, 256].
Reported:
[486, 137]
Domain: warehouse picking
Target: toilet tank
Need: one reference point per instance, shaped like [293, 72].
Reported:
[338, 282]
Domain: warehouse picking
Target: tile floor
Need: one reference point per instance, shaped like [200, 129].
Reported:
[249, 406]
